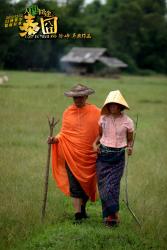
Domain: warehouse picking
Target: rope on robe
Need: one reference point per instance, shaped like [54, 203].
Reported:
[126, 181]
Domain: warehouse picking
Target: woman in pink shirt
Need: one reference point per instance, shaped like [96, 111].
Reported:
[116, 134]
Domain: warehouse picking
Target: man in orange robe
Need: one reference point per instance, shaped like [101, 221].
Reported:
[73, 157]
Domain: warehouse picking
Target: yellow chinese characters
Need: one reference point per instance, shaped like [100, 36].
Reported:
[49, 25]
[12, 21]
[29, 27]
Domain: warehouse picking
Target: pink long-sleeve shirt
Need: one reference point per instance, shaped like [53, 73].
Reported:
[115, 130]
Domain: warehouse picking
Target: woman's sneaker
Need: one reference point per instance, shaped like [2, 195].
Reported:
[112, 220]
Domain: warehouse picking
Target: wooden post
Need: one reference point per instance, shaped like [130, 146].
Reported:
[51, 127]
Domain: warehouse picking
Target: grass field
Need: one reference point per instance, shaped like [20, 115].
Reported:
[25, 102]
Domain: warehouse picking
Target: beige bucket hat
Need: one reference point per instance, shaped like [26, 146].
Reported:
[79, 90]
[114, 97]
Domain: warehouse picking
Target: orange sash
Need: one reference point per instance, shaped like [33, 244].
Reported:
[79, 130]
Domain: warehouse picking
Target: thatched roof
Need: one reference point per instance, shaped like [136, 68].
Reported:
[83, 55]
[112, 62]
[86, 55]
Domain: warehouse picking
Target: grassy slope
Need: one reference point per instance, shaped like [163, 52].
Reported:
[24, 103]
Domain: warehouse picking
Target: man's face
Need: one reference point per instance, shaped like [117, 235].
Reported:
[80, 101]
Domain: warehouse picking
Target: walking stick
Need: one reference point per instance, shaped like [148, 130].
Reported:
[52, 124]
[126, 181]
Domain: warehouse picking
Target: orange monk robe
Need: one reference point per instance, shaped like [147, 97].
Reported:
[79, 130]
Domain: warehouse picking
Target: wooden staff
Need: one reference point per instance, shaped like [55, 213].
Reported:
[126, 181]
[52, 124]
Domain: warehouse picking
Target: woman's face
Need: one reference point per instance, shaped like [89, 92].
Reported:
[80, 101]
[114, 108]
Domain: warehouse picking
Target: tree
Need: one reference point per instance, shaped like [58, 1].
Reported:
[136, 32]
[132, 30]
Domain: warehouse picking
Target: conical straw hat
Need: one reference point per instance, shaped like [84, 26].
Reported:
[79, 90]
[114, 97]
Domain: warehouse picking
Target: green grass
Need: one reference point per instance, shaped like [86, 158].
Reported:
[25, 102]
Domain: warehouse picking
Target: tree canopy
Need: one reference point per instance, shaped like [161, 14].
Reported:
[133, 30]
